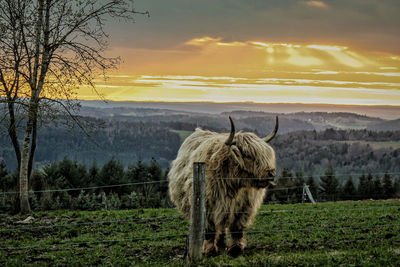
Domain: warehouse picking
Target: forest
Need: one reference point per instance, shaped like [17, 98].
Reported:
[123, 163]
[126, 141]
[348, 151]
[308, 151]
[68, 184]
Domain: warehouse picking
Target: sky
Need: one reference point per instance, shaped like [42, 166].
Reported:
[263, 51]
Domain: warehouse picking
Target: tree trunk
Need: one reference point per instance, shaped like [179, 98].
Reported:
[23, 172]
[12, 132]
[23, 177]
[33, 145]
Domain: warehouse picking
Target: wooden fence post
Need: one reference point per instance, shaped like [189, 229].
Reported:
[198, 213]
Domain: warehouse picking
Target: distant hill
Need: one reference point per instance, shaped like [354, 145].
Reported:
[384, 112]
[392, 125]
[126, 141]
[336, 120]
[309, 151]
[258, 121]
[308, 141]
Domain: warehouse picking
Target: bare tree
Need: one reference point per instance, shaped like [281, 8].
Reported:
[48, 49]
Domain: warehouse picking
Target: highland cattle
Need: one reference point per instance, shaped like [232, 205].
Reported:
[239, 168]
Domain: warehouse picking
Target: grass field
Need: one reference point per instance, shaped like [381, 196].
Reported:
[328, 234]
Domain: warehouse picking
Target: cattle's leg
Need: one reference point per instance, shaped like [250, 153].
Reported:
[222, 223]
[238, 241]
[241, 219]
[217, 223]
[209, 245]
[209, 242]
[220, 241]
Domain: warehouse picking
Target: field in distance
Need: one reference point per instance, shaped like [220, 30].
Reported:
[327, 234]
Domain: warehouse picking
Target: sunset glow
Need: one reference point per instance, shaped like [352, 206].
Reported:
[210, 69]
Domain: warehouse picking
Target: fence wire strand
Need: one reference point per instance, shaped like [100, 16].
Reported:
[165, 181]
[89, 187]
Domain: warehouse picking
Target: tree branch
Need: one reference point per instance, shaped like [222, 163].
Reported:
[74, 118]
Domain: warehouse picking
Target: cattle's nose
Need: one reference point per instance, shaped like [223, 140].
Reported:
[272, 173]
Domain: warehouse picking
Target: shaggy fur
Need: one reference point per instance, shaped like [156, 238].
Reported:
[231, 204]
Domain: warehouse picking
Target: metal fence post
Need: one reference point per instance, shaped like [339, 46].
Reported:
[198, 213]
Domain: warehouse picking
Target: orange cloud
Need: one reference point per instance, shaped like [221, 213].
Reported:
[278, 55]
[257, 71]
[214, 56]
[319, 4]
[202, 41]
[260, 90]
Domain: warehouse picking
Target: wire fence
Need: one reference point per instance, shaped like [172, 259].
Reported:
[294, 177]
[165, 181]
[89, 187]
[315, 210]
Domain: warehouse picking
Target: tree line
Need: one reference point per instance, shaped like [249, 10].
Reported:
[333, 187]
[68, 184]
[346, 150]
[127, 141]
[309, 151]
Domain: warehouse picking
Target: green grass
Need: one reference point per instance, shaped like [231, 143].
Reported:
[327, 234]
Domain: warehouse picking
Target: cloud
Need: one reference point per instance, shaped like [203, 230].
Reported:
[213, 56]
[318, 4]
[367, 24]
[259, 90]
[301, 55]
[213, 68]
[202, 41]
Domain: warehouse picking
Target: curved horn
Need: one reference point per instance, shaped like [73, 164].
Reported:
[272, 135]
[228, 141]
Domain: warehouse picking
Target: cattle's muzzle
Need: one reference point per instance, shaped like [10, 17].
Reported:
[267, 181]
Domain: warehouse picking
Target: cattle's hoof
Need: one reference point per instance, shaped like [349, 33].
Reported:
[235, 251]
[221, 245]
[211, 252]
[209, 249]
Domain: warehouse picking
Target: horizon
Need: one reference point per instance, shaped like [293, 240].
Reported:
[383, 112]
[235, 102]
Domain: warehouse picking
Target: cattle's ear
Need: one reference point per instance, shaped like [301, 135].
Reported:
[236, 155]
